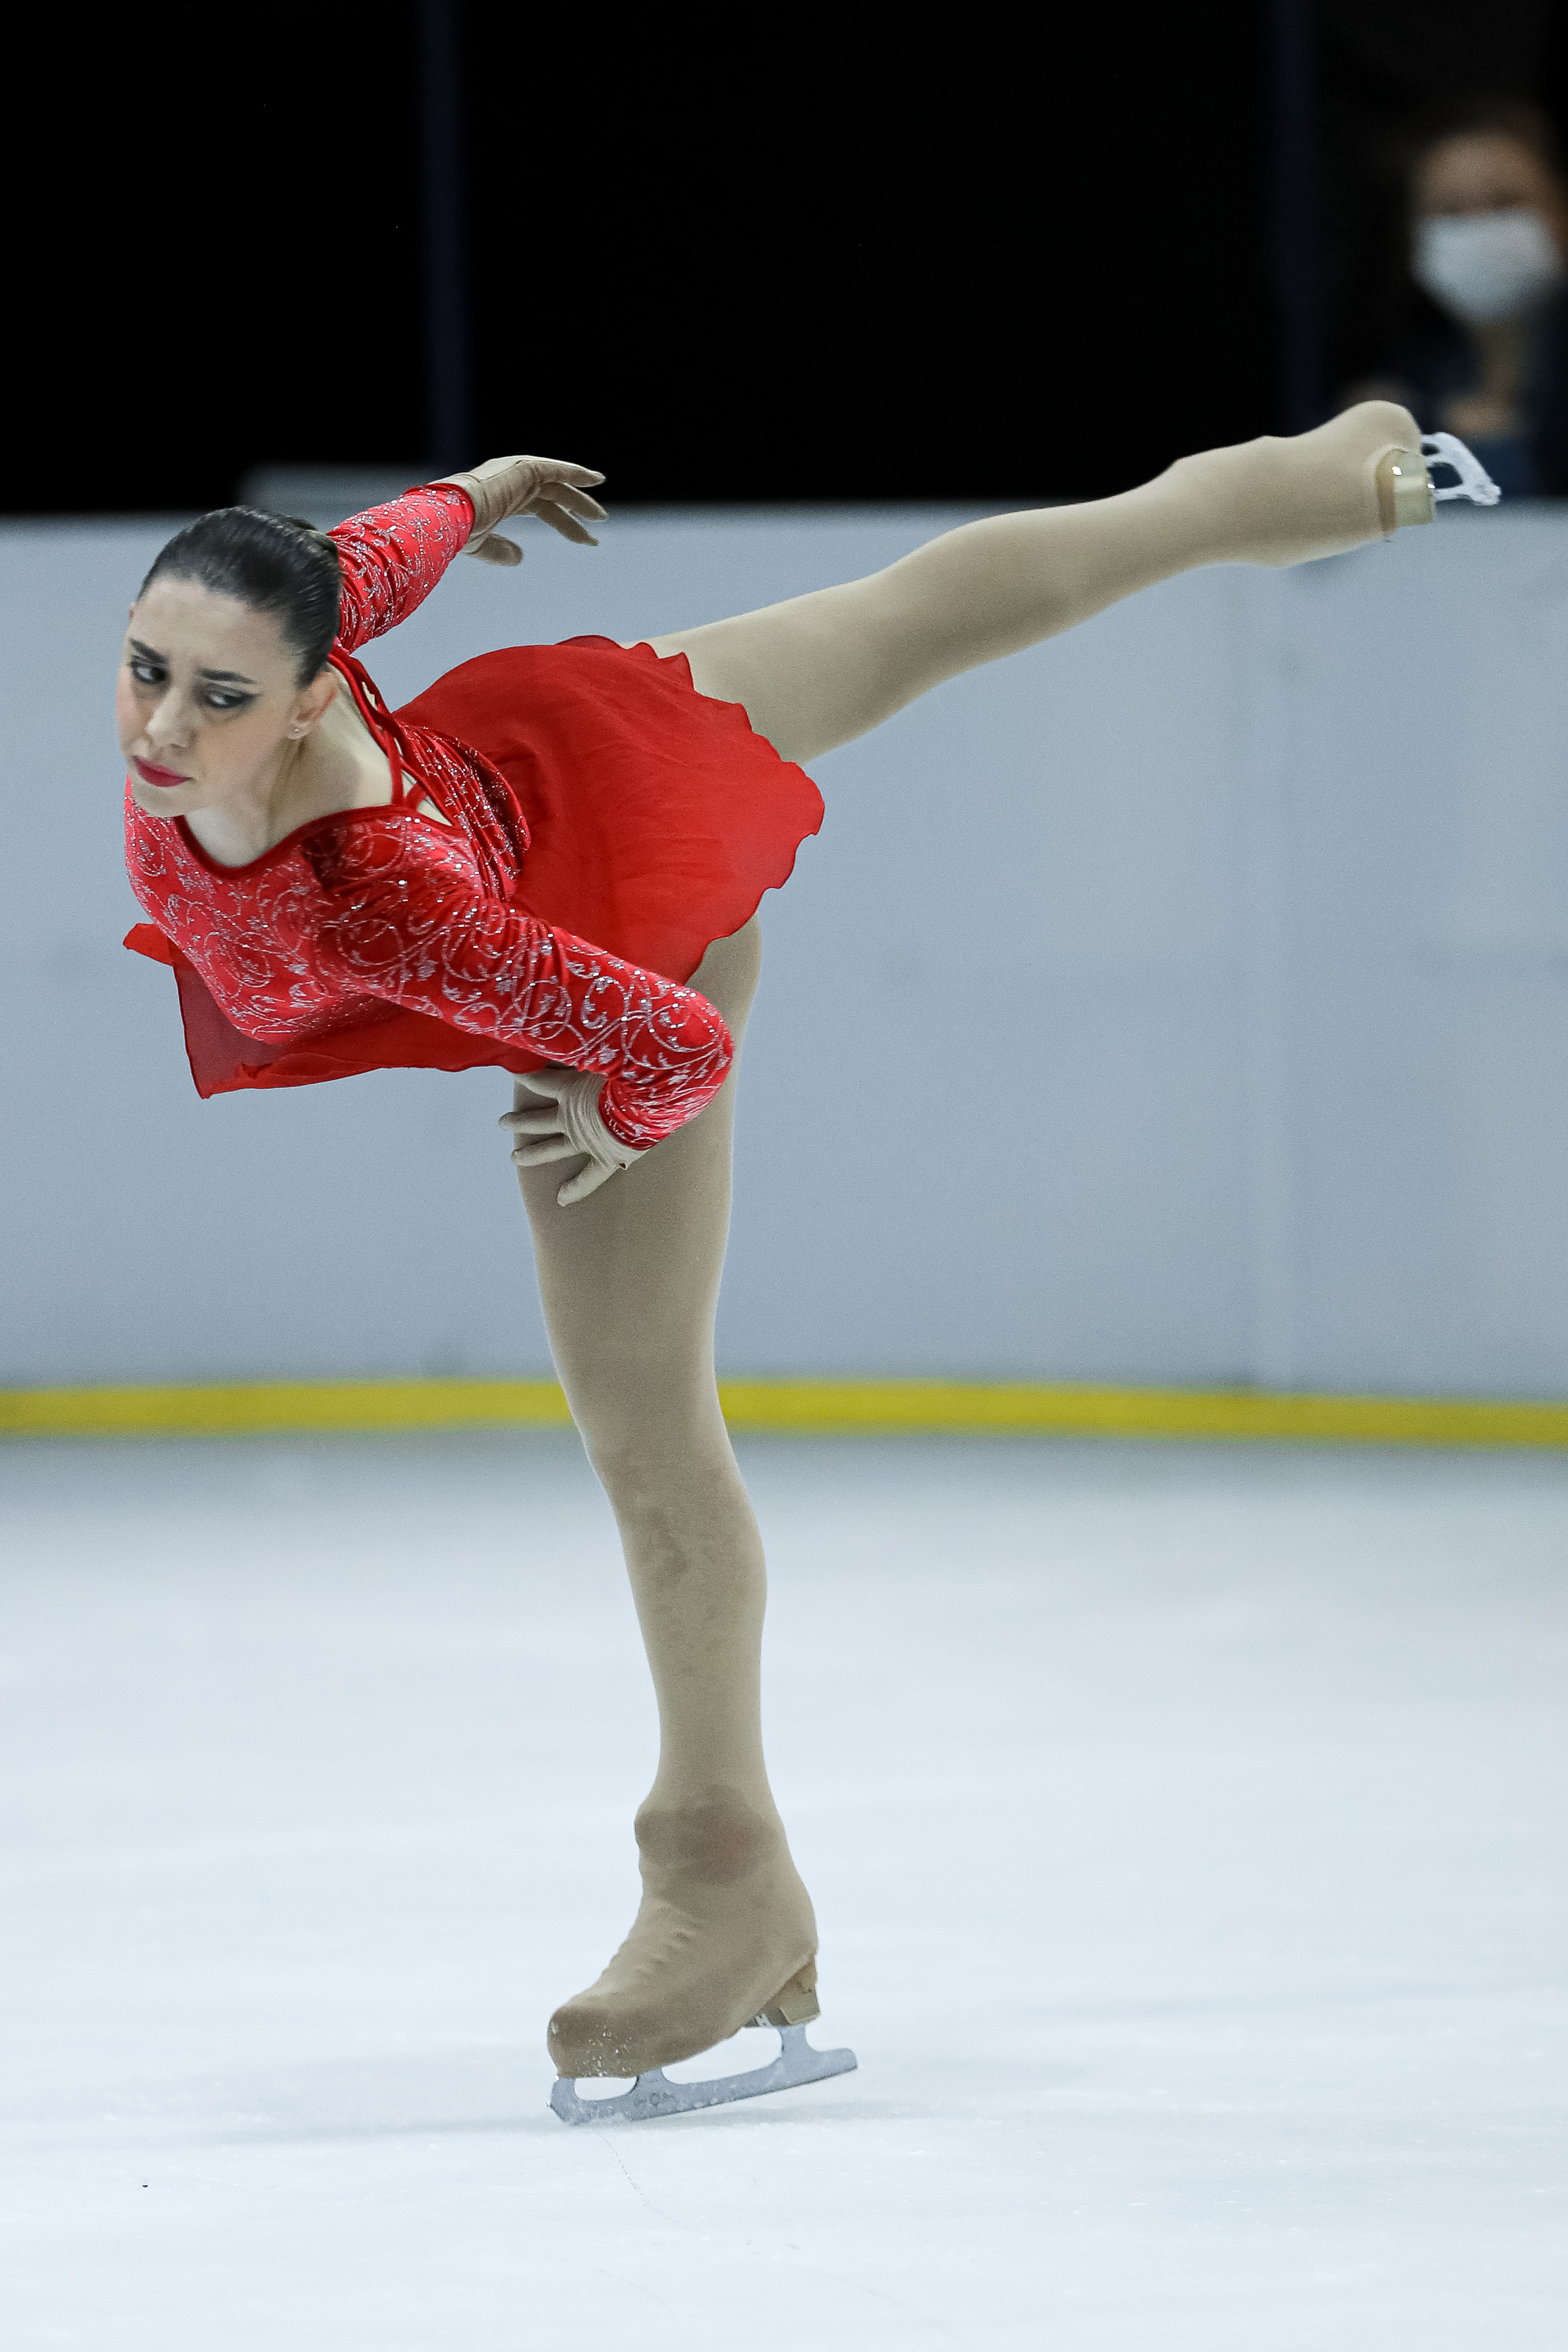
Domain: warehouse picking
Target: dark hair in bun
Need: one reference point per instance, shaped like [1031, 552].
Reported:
[275, 563]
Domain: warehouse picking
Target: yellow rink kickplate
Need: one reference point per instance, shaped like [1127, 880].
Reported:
[801, 1407]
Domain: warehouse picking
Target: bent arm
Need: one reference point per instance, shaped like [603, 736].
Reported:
[445, 949]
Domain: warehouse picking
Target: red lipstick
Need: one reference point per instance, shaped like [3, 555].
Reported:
[150, 774]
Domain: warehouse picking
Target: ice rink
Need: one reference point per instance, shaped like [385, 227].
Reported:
[1185, 1828]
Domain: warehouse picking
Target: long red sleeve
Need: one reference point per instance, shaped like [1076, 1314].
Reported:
[430, 942]
[392, 556]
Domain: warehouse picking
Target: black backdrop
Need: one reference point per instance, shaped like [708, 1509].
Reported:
[967, 258]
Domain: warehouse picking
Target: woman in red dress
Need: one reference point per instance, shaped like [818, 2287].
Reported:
[551, 863]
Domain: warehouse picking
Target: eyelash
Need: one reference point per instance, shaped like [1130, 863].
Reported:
[218, 698]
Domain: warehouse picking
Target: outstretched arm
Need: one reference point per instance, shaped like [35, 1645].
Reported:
[393, 555]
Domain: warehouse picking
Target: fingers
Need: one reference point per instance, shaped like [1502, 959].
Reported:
[492, 548]
[539, 1127]
[550, 1083]
[548, 469]
[544, 1138]
[504, 488]
[582, 477]
[578, 1187]
[540, 1135]
[548, 1148]
[577, 502]
[548, 512]
[588, 1177]
[558, 500]
[532, 1123]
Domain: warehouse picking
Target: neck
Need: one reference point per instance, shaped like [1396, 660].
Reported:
[238, 830]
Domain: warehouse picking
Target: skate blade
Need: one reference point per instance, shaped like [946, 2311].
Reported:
[654, 2094]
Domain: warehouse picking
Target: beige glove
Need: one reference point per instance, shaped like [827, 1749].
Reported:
[547, 486]
[568, 1125]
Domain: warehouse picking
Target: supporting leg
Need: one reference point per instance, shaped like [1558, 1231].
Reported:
[822, 668]
[629, 1280]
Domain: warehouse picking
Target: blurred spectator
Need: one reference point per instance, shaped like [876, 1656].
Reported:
[1488, 223]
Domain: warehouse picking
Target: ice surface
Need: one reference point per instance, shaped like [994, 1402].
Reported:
[1186, 1829]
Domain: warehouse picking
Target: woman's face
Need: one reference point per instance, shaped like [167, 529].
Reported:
[1488, 171]
[208, 699]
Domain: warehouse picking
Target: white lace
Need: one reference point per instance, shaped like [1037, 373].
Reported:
[1474, 483]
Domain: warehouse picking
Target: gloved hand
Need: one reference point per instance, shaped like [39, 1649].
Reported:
[547, 486]
[566, 1124]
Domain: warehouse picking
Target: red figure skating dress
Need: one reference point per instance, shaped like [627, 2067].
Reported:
[605, 824]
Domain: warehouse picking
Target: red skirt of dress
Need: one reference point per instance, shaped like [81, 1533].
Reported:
[656, 818]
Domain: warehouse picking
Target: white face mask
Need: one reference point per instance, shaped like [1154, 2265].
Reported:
[1482, 267]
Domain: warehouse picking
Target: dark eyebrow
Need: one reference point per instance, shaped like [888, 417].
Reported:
[217, 676]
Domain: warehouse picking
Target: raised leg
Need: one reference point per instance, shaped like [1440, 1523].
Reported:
[629, 1279]
[820, 669]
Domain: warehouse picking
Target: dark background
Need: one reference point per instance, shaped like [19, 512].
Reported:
[966, 257]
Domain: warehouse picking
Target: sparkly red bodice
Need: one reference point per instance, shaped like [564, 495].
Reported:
[370, 909]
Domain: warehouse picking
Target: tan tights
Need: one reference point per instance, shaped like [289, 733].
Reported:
[630, 1275]
[820, 669]
[629, 1279]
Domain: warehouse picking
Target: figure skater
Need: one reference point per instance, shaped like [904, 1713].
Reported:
[550, 862]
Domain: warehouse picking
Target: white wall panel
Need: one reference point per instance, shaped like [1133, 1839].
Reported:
[1186, 1000]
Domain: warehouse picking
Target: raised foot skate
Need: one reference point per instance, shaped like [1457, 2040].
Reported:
[1361, 477]
[1414, 495]
[653, 2093]
[1407, 492]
